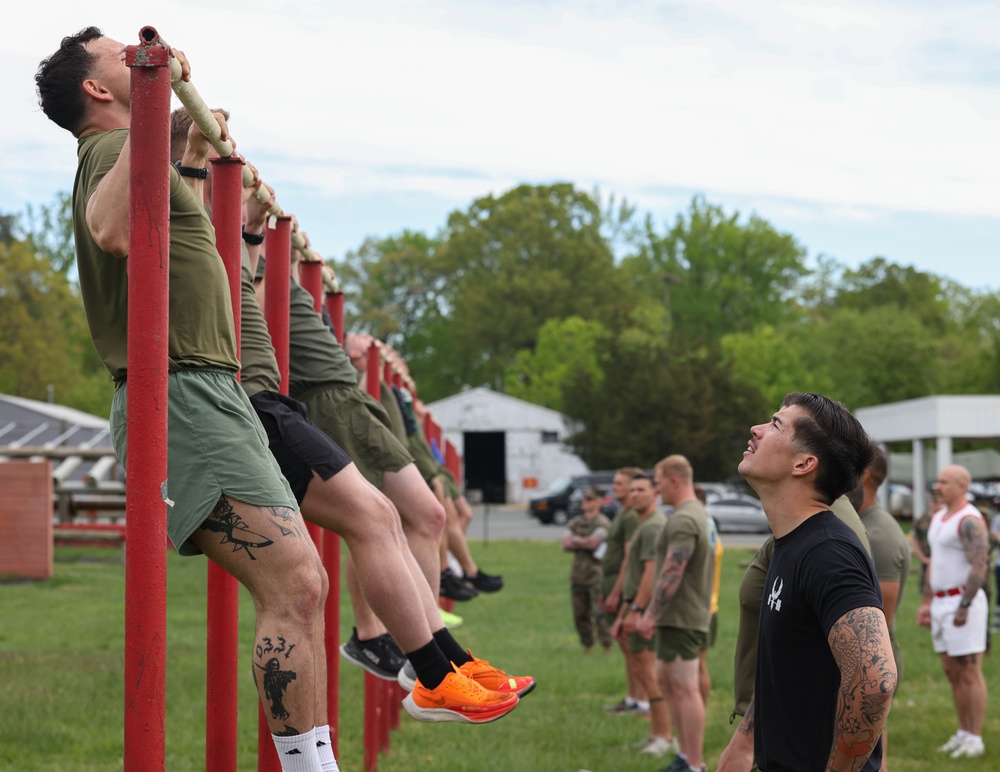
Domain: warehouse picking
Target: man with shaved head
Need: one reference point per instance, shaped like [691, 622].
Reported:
[957, 605]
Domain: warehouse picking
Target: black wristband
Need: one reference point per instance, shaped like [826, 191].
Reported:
[253, 239]
[191, 171]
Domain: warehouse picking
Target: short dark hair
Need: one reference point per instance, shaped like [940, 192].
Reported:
[180, 123]
[59, 77]
[643, 476]
[837, 439]
[878, 468]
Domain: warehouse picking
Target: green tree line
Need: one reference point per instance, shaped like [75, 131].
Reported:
[649, 336]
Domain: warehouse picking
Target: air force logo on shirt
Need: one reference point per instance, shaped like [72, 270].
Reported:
[774, 599]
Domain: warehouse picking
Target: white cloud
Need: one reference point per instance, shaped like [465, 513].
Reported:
[849, 108]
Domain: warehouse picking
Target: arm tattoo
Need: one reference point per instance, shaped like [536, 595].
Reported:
[746, 725]
[670, 577]
[974, 538]
[859, 642]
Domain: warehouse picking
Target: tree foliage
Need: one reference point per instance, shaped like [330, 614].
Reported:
[515, 261]
[660, 400]
[392, 287]
[565, 348]
[43, 336]
[717, 275]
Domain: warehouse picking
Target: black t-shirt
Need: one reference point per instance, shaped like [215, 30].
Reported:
[819, 572]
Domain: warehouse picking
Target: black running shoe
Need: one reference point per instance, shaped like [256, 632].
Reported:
[380, 656]
[485, 582]
[454, 588]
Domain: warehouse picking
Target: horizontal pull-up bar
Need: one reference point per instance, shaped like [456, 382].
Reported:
[202, 116]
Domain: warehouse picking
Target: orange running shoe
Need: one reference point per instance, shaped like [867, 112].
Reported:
[493, 678]
[458, 698]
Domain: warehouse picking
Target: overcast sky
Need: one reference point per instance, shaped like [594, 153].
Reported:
[863, 128]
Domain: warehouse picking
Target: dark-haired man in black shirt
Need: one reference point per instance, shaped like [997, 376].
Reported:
[825, 670]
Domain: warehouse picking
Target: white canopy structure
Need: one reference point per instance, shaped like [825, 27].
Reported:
[941, 420]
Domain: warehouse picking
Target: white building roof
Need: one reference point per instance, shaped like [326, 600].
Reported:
[484, 410]
[959, 417]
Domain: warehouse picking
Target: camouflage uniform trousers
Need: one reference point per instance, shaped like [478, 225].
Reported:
[587, 614]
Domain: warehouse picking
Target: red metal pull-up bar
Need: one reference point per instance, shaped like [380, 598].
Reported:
[146, 457]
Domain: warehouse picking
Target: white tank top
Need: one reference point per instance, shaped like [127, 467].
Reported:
[949, 565]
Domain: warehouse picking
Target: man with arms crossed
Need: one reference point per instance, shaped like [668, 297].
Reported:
[822, 616]
[681, 607]
[957, 605]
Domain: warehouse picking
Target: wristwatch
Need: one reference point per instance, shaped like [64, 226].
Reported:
[964, 603]
[636, 607]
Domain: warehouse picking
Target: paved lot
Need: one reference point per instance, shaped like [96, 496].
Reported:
[511, 522]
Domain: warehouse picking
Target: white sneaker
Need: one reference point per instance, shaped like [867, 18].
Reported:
[971, 747]
[953, 742]
[660, 746]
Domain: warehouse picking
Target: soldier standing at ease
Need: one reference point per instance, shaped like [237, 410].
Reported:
[587, 539]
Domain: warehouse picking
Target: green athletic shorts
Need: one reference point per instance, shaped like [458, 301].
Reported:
[637, 644]
[360, 425]
[215, 446]
[674, 641]
[713, 631]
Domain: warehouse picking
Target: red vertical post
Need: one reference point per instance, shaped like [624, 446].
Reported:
[222, 662]
[387, 372]
[373, 372]
[146, 458]
[311, 278]
[277, 270]
[452, 461]
[335, 307]
[331, 541]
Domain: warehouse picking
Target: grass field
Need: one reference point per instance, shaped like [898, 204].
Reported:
[61, 649]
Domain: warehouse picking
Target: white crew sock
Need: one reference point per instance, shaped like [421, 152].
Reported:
[324, 747]
[298, 752]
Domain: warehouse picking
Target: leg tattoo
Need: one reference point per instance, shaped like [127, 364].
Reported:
[226, 521]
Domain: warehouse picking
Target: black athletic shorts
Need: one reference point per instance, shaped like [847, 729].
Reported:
[299, 447]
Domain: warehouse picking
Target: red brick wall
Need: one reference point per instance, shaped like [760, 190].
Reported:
[26, 519]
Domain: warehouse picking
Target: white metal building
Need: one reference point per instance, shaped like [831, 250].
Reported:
[938, 419]
[506, 444]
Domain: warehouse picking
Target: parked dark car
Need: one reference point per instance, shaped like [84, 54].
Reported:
[552, 505]
[738, 512]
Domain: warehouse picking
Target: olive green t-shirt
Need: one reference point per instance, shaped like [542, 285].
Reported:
[315, 358]
[388, 400]
[642, 549]
[423, 457]
[201, 331]
[891, 556]
[621, 532]
[691, 606]
[260, 368]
